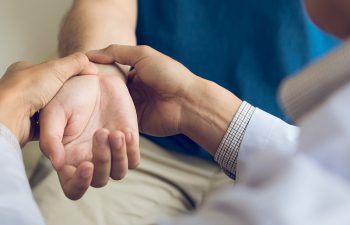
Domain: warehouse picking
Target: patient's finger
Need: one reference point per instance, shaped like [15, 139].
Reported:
[101, 158]
[52, 124]
[123, 54]
[132, 147]
[75, 181]
[119, 166]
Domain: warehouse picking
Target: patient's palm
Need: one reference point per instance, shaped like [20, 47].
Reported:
[85, 104]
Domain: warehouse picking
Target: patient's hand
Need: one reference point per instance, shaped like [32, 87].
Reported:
[84, 105]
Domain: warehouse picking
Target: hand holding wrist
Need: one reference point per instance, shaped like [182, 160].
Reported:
[25, 89]
[170, 99]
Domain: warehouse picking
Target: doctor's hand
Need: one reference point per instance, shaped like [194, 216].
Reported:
[27, 88]
[91, 117]
[170, 99]
[160, 86]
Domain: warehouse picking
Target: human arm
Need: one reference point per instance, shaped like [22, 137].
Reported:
[24, 90]
[84, 106]
[170, 99]
[94, 24]
[309, 187]
[17, 205]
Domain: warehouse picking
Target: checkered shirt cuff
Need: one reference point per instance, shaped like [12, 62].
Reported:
[226, 155]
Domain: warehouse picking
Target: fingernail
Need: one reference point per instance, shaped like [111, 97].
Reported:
[128, 137]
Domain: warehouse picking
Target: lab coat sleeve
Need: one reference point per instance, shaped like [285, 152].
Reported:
[277, 186]
[266, 133]
[285, 181]
[17, 205]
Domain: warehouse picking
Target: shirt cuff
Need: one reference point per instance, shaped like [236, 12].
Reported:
[226, 154]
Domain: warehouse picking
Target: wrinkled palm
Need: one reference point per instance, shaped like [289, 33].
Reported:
[85, 104]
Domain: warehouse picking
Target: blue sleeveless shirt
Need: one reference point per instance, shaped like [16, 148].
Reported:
[246, 46]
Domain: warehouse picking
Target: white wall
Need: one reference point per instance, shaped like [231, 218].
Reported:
[29, 29]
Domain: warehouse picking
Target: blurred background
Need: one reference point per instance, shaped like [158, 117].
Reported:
[29, 29]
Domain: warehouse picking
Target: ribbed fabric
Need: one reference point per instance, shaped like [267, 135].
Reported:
[313, 85]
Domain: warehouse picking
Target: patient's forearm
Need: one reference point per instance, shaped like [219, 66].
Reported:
[92, 24]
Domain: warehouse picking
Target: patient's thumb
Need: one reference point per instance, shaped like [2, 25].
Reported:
[53, 149]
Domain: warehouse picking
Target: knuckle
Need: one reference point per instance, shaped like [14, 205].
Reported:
[146, 50]
[81, 59]
[112, 46]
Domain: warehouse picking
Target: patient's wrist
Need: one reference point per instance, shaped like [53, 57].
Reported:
[113, 70]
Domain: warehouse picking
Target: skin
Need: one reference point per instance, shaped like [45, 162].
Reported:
[158, 85]
[26, 88]
[161, 86]
[331, 15]
[97, 103]
[94, 107]
[82, 31]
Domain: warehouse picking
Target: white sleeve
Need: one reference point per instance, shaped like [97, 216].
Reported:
[253, 131]
[276, 186]
[267, 133]
[278, 190]
[17, 205]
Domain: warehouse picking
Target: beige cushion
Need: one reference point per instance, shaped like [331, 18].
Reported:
[31, 157]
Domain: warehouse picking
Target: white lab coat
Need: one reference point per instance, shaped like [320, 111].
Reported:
[283, 179]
